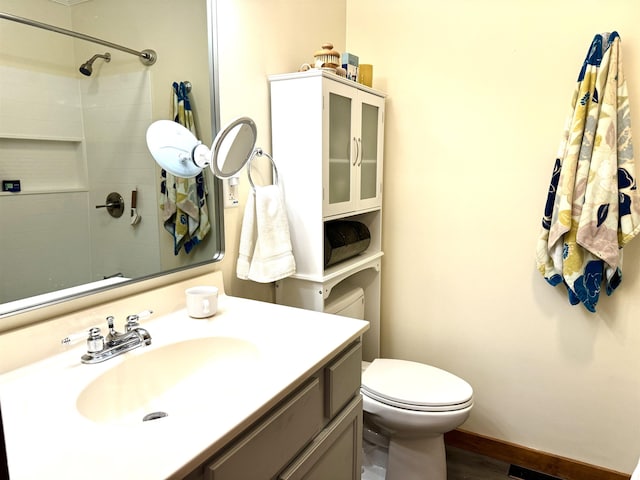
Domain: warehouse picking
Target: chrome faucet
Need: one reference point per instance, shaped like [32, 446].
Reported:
[101, 348]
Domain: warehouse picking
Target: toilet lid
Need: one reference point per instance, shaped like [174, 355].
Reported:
[415, 386]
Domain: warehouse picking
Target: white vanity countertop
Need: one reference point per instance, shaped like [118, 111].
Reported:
[47, 436]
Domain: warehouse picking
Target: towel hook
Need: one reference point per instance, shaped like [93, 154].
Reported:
[258, 152]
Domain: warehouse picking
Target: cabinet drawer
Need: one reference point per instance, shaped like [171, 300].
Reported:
[274, 442]
[342, 379]
[335, 453]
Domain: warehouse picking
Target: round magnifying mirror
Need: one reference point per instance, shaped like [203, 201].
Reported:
[233, 147]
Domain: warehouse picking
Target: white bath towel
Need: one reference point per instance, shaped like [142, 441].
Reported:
[265, 253]
[247, 238]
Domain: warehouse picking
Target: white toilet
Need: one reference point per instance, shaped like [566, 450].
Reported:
[411, 404]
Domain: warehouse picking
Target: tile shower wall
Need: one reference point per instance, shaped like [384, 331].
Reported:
[45, 225]
[117, 112]
[53, 237]
[40, 234]
[39, 105]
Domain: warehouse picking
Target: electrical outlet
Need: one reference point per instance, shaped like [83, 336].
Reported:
[230, 192]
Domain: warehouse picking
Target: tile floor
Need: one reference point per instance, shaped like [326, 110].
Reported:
[461, 465]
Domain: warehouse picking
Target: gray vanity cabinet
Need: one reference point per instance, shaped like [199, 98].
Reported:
[314, 433]
[263, 451]
[335, 453]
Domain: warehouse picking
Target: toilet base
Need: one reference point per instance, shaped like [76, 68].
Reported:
[417, 458]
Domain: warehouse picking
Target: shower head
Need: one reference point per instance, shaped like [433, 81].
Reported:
[87, 67]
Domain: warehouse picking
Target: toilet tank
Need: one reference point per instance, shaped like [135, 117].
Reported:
[346, 300]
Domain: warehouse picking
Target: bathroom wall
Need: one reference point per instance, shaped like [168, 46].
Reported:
[258, 38]
[41, 144]
[478, 94]
[116, 113]
[52, 121]
[49, 126]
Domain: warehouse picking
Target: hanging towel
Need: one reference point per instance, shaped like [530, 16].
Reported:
[592, 208]
[247, 238]
[184, 200]
[265, 253]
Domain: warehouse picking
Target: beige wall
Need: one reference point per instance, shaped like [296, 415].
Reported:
[36, 49]
[259, 38]
[478, 93]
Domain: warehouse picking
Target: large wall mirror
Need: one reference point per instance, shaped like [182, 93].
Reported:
[72, 139]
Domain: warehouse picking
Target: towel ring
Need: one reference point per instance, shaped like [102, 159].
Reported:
[258, 152]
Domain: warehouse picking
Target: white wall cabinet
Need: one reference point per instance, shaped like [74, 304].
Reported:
[328, 142]
[333, 127]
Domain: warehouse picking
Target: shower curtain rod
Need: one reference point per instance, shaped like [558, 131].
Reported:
[147, 56]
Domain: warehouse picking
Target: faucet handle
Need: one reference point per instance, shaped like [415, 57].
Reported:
[95, 342]
[140, 316]
[132, 320]
[76, 337]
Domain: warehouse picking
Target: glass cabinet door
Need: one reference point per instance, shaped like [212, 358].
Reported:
[368, 161]
[371, 136]
[340, 172]
[353, 145]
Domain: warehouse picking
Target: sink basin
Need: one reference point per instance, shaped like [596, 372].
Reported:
[170, 379]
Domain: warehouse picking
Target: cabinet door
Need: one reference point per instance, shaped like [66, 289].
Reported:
[353, 147]
[335, 453]
[370, 150]
[271, 445]
[340, 148]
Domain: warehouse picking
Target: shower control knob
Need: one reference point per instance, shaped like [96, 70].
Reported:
[114, 204]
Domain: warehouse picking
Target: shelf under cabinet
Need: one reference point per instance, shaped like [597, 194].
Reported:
[337, 273]
[350, 215]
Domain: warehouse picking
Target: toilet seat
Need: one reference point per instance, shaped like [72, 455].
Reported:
[415, 386]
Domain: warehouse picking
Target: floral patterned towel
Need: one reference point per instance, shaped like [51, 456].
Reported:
[183, 201]
[592, 208]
